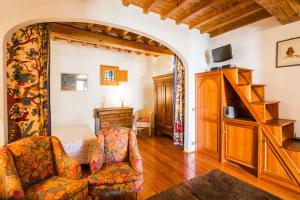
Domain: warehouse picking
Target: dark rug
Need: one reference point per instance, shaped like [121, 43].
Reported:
[213, 185]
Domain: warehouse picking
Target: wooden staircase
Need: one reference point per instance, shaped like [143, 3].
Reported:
[279, 152]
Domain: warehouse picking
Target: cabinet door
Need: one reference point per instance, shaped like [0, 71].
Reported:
[160, 118]
[169, 106]
[241, 144]
[207, 114]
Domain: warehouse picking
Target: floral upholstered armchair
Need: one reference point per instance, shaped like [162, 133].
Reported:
[38, 168]
[116, 164]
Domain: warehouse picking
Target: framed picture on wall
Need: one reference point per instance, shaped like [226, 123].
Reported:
[288, 53]
[109, 75]
[74, 82]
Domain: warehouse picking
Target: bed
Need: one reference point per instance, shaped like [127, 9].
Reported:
[77, 140]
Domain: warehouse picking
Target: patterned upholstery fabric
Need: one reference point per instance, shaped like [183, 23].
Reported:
[115, 172]
[115, 144]
[97, 157]
[10, 183]
[56, 188]
[134, 154]
[115, 189]
[65, 166]
[33, 159]
[27, 165]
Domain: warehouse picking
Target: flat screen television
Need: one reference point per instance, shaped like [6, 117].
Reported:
[222, 53]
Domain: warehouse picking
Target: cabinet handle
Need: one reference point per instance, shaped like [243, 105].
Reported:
[266, 141]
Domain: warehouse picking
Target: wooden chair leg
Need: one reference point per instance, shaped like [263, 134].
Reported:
[150, 130]
[136, 195]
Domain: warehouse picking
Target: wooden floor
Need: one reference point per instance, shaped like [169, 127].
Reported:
[165, 165]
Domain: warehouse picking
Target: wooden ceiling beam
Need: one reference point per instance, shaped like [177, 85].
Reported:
[224, 7]
[257, 16]
[196, 11]
[224, 19]
[125, 3]
[80, 35]
[138, 38]
[174, 9]
[150, 42]
[149, 7]
[107, 29]
[285, 11]
[229, 8]
[90, 26]
[124, 33]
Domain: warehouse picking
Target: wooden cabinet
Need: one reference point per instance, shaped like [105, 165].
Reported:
[113, 117]
[163, 103]
[241, 142]
[271, 169]
[256, 138]
[208, 90]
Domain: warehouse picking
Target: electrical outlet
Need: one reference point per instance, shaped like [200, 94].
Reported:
[193, 143]
[193, 109]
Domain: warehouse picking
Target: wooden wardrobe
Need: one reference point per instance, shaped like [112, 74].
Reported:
[163, 104]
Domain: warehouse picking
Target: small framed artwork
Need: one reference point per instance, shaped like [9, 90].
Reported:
[288, 53]
[74, 82]
[109, 75]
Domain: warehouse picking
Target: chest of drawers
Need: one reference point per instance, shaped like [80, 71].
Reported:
[113, 117]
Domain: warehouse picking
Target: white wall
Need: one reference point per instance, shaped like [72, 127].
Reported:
[254, 46]
[69, 108]
[188, 45]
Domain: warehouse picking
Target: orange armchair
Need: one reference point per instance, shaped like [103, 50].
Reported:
[116, 164]
[38, 168]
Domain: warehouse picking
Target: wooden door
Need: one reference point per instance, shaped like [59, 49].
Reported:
[169, 106]
[241, 143]
[160, 117]
[208, 114]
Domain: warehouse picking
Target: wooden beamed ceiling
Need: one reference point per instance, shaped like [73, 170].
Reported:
[108, 37]
[219, 16]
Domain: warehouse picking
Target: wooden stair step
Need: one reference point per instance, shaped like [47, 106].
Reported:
[265, 102]
[292, 148]
[257, 92]
[283, 129]
[280, 122]
[240, 75]
[267, 110]
[258, 85]
[252, 85]
[242, 69]
[292, 144]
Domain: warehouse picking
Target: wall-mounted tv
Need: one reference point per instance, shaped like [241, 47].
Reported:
[222, 53]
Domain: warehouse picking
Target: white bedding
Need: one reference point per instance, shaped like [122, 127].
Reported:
[77, 140]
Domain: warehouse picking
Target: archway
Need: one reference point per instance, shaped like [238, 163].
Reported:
[154, 38]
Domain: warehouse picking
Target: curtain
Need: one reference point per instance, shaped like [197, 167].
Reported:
[178, 102]
[27, 82]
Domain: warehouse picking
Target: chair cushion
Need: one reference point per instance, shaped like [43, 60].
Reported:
[109, 190]
[116, 173]
[115, 144]
[33, 159]
[143, 119]
[56, 188]
[143, 124]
